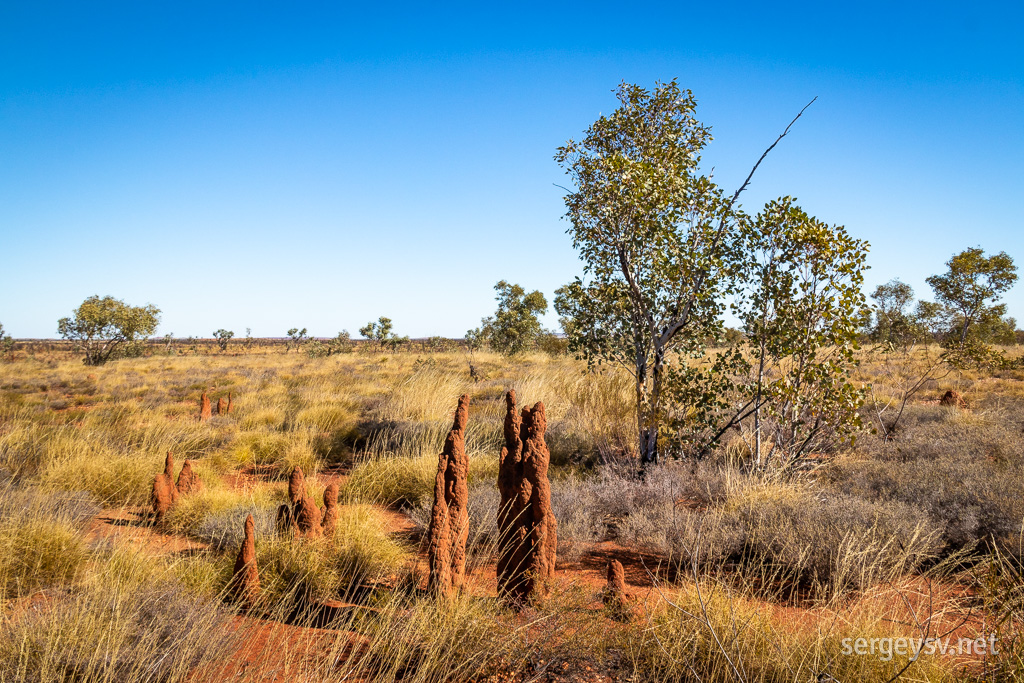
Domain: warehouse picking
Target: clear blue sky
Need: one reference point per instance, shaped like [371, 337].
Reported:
[316, 165]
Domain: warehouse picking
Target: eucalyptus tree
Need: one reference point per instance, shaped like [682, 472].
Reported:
[515, 326]
[102, 327]
[223, 337]
[801, 305]
[659, 242]
[971, 287]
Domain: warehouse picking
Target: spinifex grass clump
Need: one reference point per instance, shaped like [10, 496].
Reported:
[131, 621]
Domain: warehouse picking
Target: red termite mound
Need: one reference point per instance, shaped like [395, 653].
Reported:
[330, 508]
[165, 493]
[954, 399]
[527, 527]
[307, 517]
[296, 486]
[204, 408]
[449, 516]
[245, 583]
[231, 406]
[188, 480]
[161, 498]
[615, 598]
[222, 406]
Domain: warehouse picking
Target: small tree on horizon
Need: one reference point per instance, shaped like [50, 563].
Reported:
[103, 327]
[297, 336]
[515, 326]
[223, 336]
[381, 333]
[6, 342]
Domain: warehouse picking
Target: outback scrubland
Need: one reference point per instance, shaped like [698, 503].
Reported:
[730, 572]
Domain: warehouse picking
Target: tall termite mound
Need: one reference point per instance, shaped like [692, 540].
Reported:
[305, 515]
[449, 516]
[204, 408]
[528, 531]
[222, 406]
[307, 518]
[245, 582]
[165, 493]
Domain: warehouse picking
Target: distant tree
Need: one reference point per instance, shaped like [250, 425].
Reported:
[6, 342]
[895, 323]
[970, 289]
[381, 333]
[515, 326]
[931, 317]
[222, 336]
[437, 343]
[341, 343]
[476, 339]
[102, 327]
[552, 343]
[297, 336]
[168, 339]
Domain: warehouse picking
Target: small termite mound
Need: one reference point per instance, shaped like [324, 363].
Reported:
[953, 399]
[296, 486]
[330, 521]
[188, 480]
[165, 492]
[205, 412]
[245, 582]
[615, 599]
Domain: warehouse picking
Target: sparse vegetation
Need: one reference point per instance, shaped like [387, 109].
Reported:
[840, 545]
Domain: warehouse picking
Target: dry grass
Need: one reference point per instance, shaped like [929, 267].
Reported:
[765, 577]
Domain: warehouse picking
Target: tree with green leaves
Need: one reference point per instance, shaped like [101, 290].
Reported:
[104, 327]
[381, 332]
[894, 321]
[515, 326]
[297, 336]
[658, 239]
[786, 383]
[801, 306]
[6, 342]
[223, 336]
[970, 289]
[342, 343]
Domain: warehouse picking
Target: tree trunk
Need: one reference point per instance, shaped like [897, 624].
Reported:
[649, 414]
